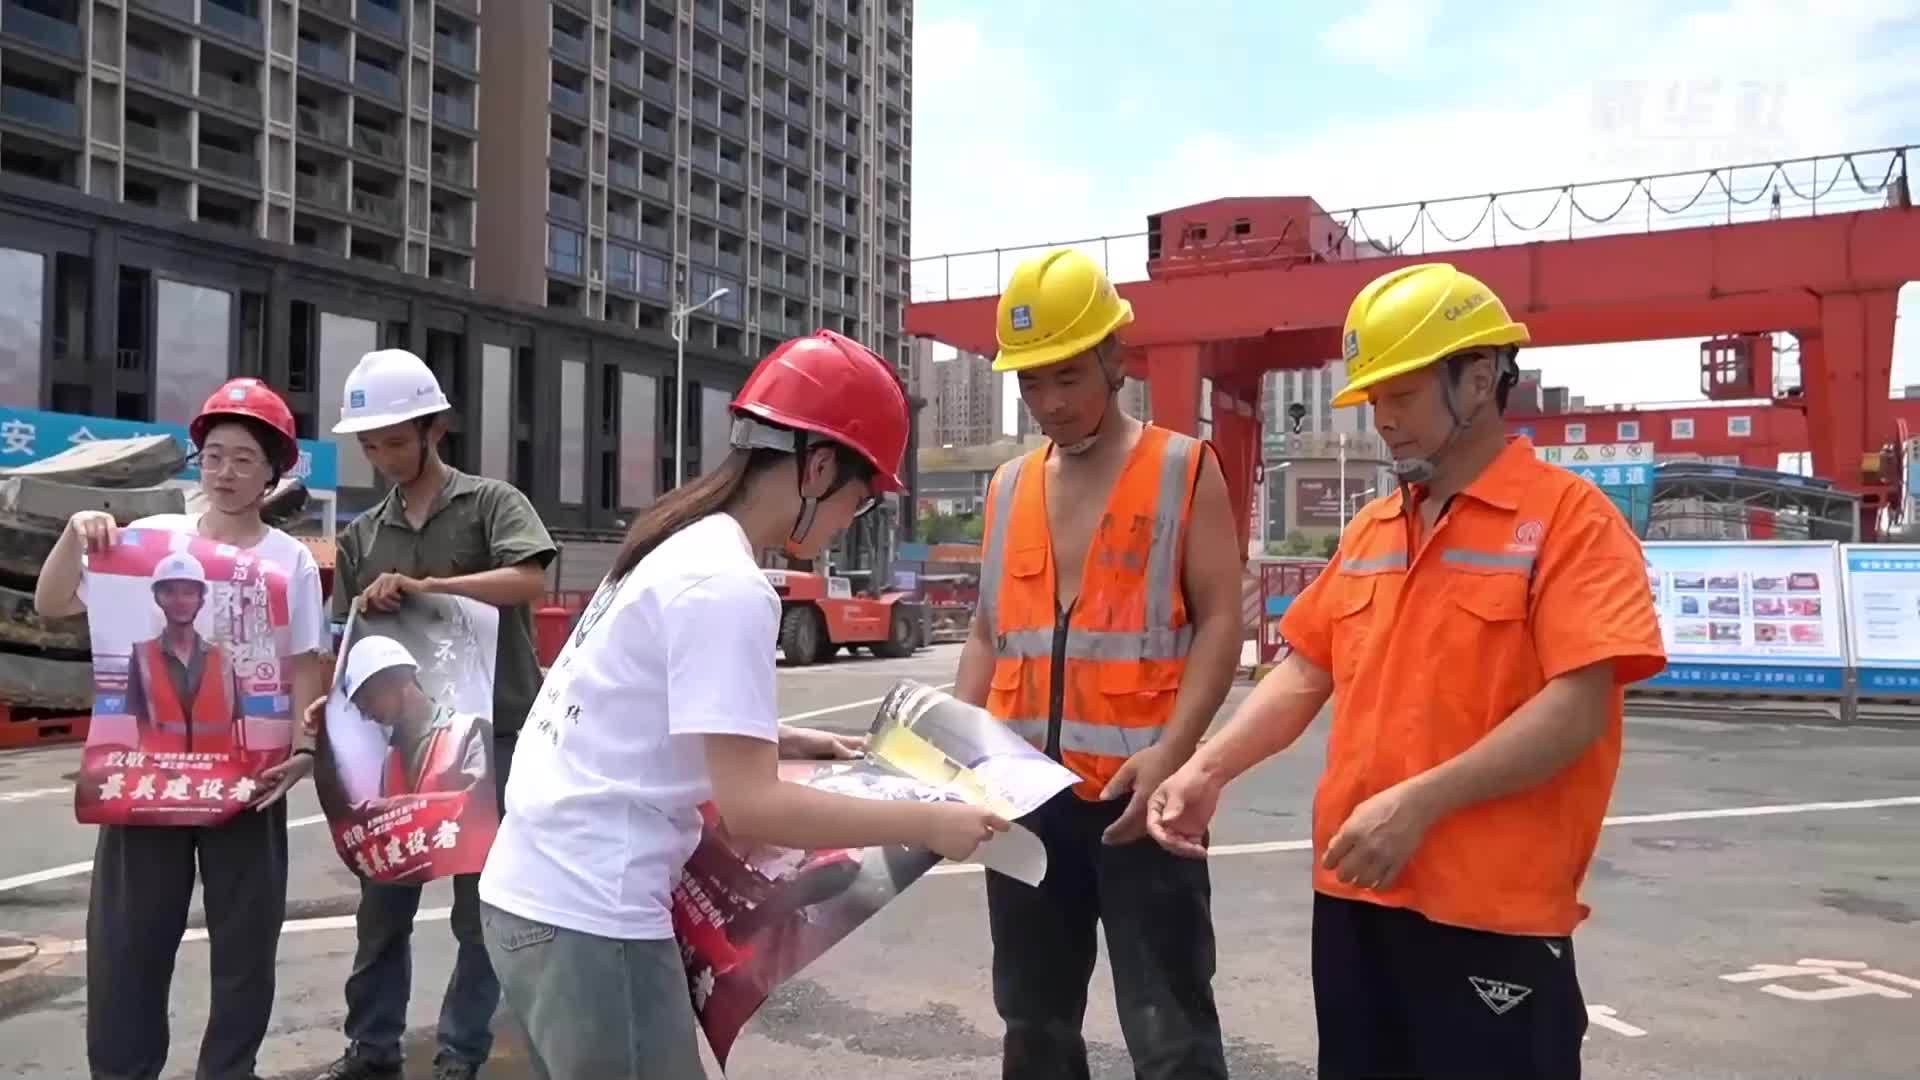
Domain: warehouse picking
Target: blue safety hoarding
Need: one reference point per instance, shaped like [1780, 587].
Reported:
[1764, 616]
[1622, 471]
[1883, 604]
[30, 435]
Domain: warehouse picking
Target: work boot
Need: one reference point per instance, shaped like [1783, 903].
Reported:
[449, 1069]
[351, 1066]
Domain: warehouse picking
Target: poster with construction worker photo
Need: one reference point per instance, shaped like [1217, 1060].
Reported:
[405, 774]
[750, 916]
[191, 688]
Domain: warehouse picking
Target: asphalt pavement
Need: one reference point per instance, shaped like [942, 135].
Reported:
[1755, 902]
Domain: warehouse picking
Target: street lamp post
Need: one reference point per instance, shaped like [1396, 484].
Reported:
[677, 326]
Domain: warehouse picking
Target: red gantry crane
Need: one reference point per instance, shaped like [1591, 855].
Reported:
[1817, 247]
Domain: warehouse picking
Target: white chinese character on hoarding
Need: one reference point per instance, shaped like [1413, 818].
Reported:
[16, 437]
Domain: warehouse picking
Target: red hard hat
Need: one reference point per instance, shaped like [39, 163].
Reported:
[836, 388]
[254, 400]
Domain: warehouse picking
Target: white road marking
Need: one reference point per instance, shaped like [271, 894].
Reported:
[1602, 1015]
[1272, 846]
[1605, 1016]
[831, 709]
[70, 869]
[36, 793]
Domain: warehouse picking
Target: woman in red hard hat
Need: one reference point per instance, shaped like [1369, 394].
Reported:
[243, 440]
[662, 699]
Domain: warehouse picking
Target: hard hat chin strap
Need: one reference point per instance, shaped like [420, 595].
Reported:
[1115, 381]
[751, 434]
[1421, 470]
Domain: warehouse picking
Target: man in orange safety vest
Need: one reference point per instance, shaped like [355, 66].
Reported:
[182, 691]
[1107, 632]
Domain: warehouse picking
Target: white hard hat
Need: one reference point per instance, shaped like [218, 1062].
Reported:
[388, 386]
[180, 566]
[370, 656]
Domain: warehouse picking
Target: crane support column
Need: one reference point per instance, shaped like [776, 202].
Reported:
[1847, 369]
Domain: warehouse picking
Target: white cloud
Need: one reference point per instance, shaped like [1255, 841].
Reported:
[1582, 97]
[1385, 34]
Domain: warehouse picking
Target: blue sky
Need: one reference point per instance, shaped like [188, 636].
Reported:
[1044, 122]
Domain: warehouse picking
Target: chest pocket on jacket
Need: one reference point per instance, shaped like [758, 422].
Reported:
[1355, 615]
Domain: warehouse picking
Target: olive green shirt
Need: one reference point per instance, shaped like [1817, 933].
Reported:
[476, 524]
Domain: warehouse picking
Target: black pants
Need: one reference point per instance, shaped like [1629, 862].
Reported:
[1400, 996]
[136, 915]
[1157, 910]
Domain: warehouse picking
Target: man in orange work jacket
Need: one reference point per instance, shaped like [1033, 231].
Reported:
[1476, 631]
[182, 691]
[432, 749]
[1107, 633]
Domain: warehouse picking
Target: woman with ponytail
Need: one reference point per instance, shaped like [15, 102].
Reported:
[664, 698]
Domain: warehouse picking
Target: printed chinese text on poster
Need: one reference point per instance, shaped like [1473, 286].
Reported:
[406, 773]
[192, 683]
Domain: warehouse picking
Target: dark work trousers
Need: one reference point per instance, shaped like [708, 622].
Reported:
[1157, 911]
[382, 978]
[1398, 995]
[136, 914]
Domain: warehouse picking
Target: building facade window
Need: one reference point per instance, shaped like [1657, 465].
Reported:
[1683, 427]
[1740, 427]
[1628, 431]
[23, 291]
[1576, 433]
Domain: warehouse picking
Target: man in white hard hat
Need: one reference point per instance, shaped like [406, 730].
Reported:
[182, 692]
[432, 748]
[438, 530]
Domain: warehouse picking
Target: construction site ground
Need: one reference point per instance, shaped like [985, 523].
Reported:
[1756, 913]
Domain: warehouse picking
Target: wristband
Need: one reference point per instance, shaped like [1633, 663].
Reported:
[298, 750]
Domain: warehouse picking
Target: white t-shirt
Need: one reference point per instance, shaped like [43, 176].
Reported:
[603, 801]
[308, 630]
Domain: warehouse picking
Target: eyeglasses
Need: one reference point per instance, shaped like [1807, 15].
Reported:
[242, 464]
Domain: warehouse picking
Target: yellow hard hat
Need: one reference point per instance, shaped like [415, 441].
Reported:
[1056, 306]
[1408, 318]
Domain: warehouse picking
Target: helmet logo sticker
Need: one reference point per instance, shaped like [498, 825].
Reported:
[1350, 348]
[1021, 317]
[357, 399]
[1466, 307]
[236, 394]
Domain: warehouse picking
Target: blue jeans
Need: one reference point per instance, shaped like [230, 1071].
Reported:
[382, 978]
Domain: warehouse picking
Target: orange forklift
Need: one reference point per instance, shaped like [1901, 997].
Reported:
[848, 600]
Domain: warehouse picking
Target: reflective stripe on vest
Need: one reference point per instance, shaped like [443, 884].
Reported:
[1080, 737]
[1125, 648]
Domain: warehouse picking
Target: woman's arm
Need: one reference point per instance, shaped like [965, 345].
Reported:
[57, 592]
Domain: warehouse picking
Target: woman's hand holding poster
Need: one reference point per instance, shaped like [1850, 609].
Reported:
[406, 771]
[750, 916]
[191, 680]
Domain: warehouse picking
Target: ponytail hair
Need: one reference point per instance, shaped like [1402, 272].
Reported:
[713, 492]
[705, 494]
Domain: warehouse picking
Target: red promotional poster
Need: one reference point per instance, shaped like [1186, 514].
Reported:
[750, 916]
[406, 770]
[191, 685]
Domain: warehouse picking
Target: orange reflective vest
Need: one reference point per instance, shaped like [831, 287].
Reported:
[439, 765]
[1094, 685]
[171, 727]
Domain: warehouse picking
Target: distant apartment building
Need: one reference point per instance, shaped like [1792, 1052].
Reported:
[964, 397]
[521, 191]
